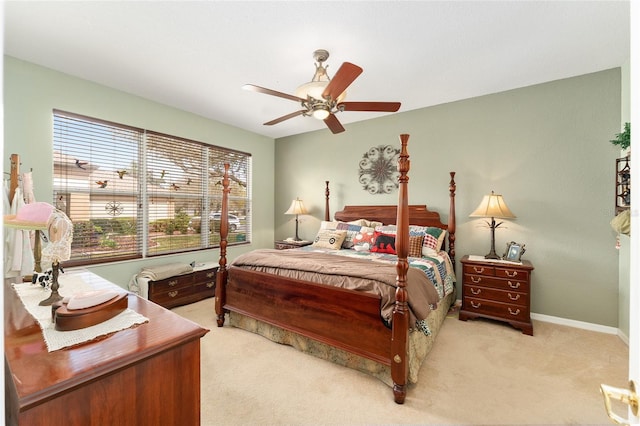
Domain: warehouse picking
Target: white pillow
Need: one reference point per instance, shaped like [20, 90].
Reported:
[329, 238]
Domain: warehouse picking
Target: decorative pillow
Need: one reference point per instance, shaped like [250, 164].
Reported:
[365, 238]
[329, 238]
[415, 245]
[352, 231]
[386, 229]
[434, 239]
[370, 223]
[383, 243]
[328, 225]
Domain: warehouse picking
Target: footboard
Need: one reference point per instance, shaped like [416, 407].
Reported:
[346, 319]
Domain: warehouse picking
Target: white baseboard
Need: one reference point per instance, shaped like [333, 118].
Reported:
[579, 324]
[623, 337]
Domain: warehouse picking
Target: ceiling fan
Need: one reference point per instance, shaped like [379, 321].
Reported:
[323, 97]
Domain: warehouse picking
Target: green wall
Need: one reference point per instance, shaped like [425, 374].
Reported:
[544, 147]
[31, 93]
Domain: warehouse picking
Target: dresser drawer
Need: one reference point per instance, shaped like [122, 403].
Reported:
[505, 296]
[205, 289]
[172, 297]
[496, 309]
[174, 283]
[205, 275]
[501, 283]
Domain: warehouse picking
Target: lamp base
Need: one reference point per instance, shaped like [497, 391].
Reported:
[55, 297]
[492, 256]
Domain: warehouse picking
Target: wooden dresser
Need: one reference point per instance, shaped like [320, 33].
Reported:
[497, 290]
[149, 374]
[182, 289]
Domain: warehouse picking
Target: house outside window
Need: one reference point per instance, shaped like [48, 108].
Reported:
[135, 193]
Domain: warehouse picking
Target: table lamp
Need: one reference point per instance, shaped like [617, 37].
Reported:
[493, 206]
[41, 216]
[59, 248]
[296, 208]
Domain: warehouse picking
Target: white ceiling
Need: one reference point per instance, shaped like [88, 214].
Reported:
[196, 55]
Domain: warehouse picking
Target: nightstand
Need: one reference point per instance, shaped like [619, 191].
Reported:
[289, 244]
[497, 290]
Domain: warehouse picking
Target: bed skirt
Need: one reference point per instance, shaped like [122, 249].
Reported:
[419, 343]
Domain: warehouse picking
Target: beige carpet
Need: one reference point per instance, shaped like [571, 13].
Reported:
[479, 372]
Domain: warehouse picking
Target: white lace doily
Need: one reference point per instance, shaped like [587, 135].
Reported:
[71, 284]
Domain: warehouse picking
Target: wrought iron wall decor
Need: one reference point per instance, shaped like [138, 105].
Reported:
[379, 169]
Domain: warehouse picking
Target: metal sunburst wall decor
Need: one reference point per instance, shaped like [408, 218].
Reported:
[379, 169]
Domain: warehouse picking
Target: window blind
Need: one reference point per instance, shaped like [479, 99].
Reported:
[134, 193]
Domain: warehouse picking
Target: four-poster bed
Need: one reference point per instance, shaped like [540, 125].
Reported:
[343, 318]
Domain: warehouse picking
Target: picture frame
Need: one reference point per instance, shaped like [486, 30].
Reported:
[513, 252]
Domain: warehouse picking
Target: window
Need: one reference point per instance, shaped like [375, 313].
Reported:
[134, 193]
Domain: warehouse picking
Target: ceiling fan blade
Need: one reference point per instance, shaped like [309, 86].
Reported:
[346, 74]
[285, 117]
[369, 106]
[259, 89]
[333, 124]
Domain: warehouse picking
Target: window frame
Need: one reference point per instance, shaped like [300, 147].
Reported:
[188, 187]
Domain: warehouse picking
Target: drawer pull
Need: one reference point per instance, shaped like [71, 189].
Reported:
[476, 280]
[514, 285]
[512, 297]
[211, 284]
[475, 291]
[210, 274]
[172, 283]
[511, 274]
[173, 293]
[476, 304]
[478, 270]
[517, 311]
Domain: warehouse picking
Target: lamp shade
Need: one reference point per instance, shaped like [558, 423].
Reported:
[493, 205]
[297, 207]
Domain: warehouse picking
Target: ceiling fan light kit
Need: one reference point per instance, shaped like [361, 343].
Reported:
[323, 97]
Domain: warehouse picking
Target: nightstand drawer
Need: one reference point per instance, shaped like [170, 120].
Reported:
[496, 309]
[501, 283]
[505, 296]
[479, 270]
[518, 274]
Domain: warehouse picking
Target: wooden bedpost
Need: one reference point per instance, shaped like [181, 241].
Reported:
[400, 321]
[327, 215]
[14, 176]
[452, 218]
[221, 276]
